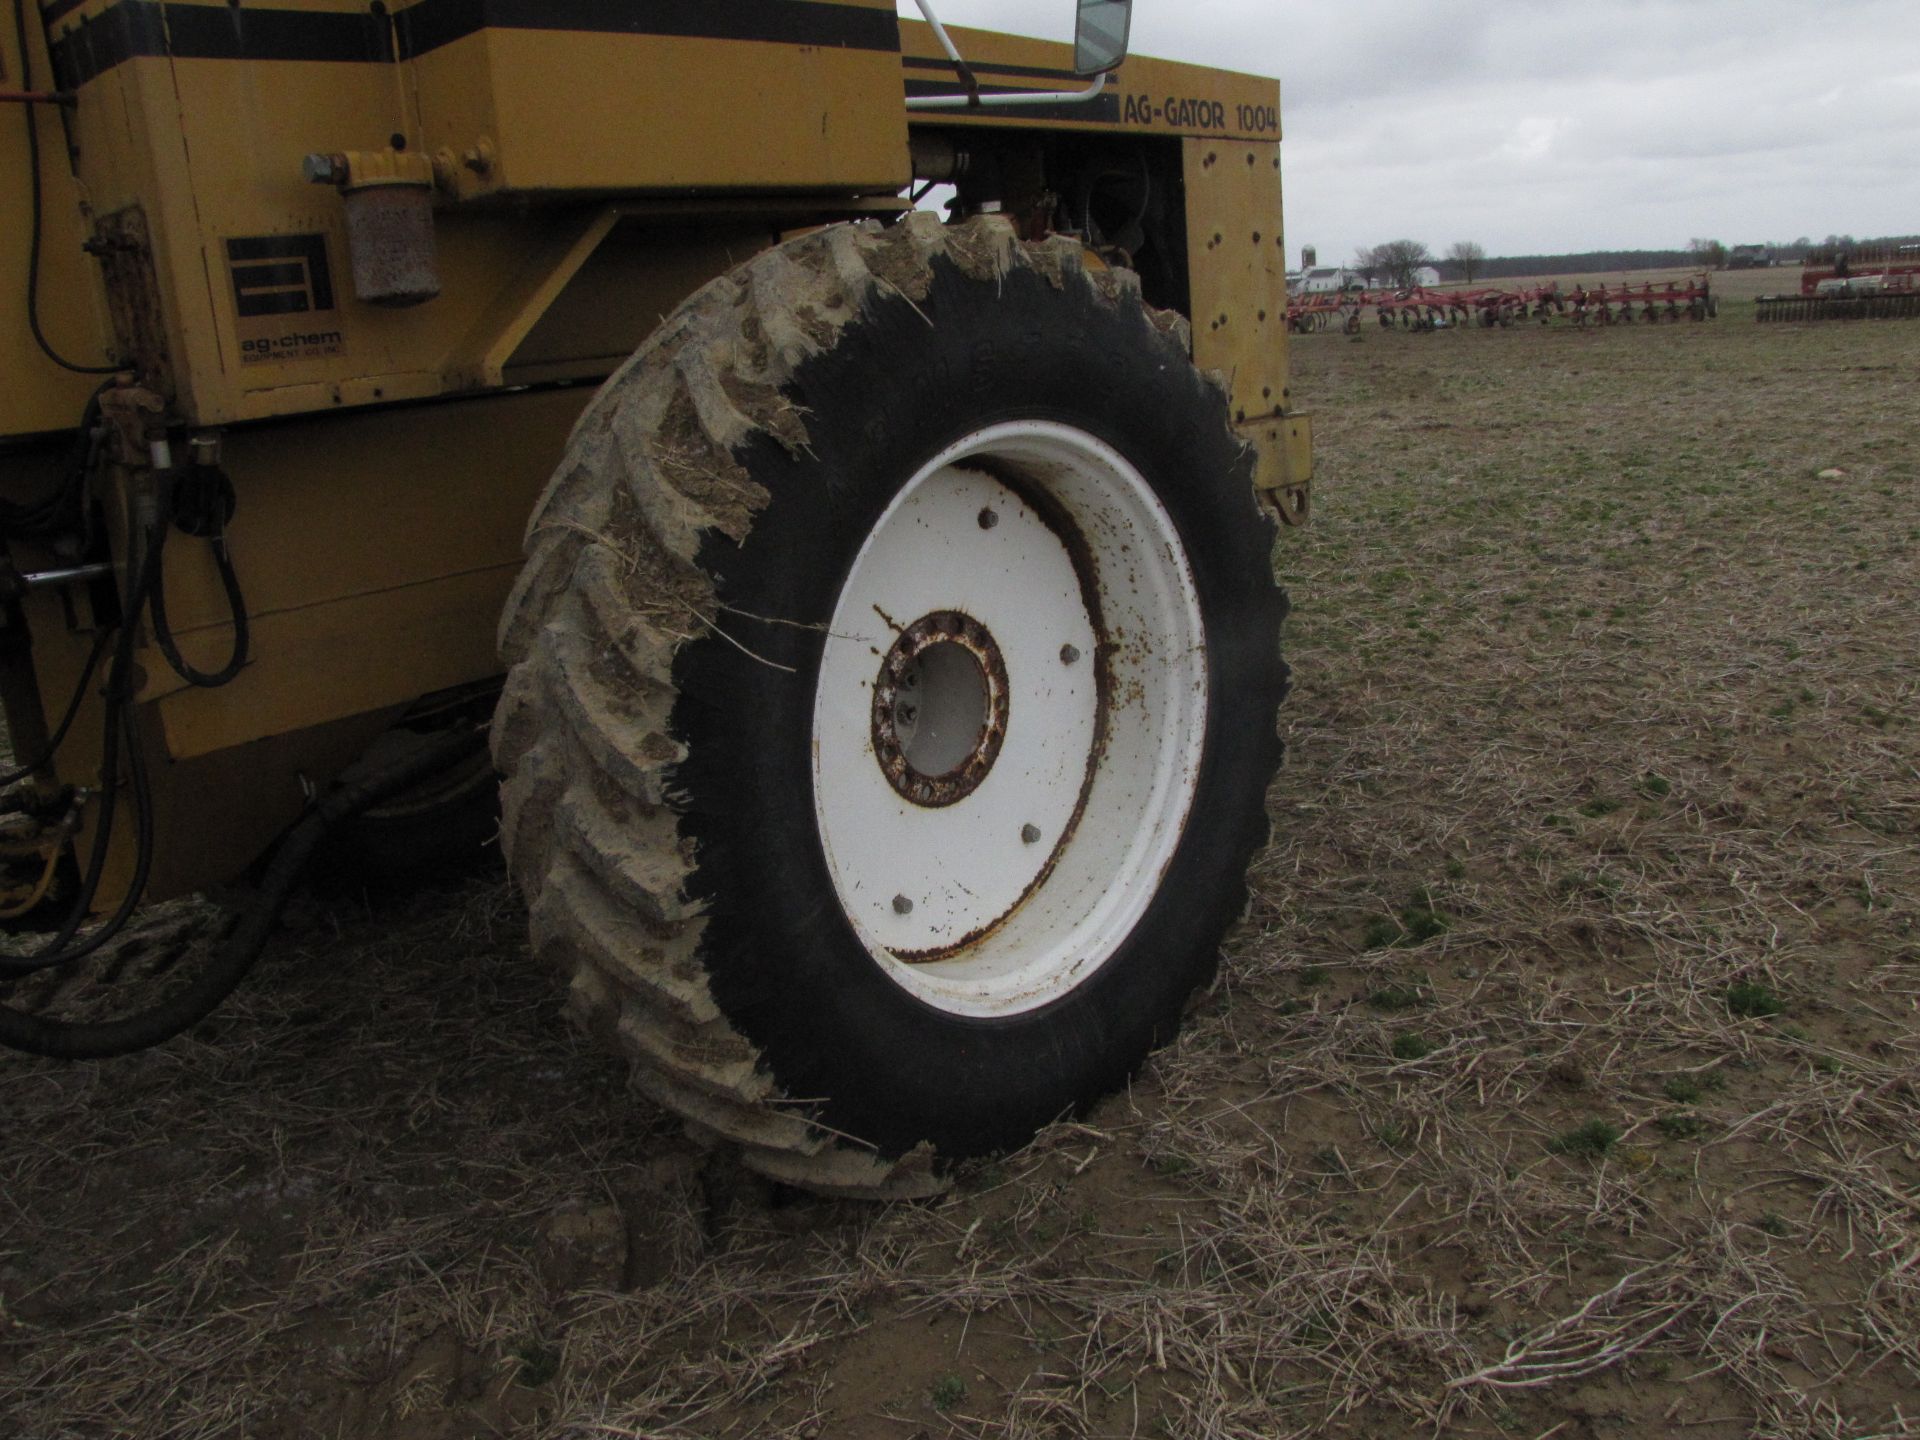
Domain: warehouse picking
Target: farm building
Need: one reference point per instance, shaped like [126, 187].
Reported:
[1330, 280]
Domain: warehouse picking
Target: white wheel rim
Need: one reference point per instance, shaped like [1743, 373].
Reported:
[1059, 629]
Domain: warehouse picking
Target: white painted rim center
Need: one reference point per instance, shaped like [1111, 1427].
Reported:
[1044, 543]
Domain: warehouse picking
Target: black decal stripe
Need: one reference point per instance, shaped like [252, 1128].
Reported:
[135, 29]
[216, 32]
[953, 87]
[98, 44]
[140, 28]
[1100, 110]
[433, 23]
[1025, 72]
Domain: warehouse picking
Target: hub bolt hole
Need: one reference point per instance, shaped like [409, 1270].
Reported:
[943, 708]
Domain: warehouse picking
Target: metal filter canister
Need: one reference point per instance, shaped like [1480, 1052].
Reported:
[391, 242]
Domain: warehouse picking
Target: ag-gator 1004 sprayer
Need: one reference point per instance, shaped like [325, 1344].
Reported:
[871, 611]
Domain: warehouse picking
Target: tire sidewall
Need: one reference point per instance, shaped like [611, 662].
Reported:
[904, 381]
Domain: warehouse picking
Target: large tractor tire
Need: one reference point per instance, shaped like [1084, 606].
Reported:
[891, 699]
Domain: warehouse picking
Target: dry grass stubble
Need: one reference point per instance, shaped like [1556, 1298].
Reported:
[1563, 1082]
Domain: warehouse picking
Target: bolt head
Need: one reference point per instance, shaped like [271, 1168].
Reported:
[902, 905]
[1068, 655]
[1029, 834]
[988, 519]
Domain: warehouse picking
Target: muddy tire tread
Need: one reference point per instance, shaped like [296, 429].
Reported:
[609, 594]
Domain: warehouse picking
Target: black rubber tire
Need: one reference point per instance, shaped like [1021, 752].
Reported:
[659, 807]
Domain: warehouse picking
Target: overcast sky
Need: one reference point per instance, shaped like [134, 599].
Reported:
[1544, 126]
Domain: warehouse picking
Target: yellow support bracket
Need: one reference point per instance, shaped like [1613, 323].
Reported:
[1283, 467]
[482, 358]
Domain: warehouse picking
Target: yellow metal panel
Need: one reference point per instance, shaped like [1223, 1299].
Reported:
[663, 113]
[340, 659]
[323, 394]
[1237, 276]
[246, 127]
[337, 507]
[631, 284]
[502, 274]
[209, 145]
[132, 138]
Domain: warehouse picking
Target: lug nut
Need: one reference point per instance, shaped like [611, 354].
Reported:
[988, 519]
[902, 905]
[1029, 834]
[1068, 654]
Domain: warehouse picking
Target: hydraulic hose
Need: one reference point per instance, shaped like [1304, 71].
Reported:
[119, 723]
[34, 215]
[236, 607]
[62, 509]
[71, 1040]
[145, 594]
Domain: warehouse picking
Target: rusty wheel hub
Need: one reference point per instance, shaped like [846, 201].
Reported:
[940, 708]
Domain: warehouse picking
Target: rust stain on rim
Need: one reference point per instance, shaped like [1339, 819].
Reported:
[1054, 516]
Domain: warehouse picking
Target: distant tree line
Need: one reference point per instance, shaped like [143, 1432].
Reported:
[1699, 252]
[1796, 250]
[1396, 262]
[1501, 267]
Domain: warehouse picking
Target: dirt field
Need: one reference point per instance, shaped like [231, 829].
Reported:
[1563, 1082]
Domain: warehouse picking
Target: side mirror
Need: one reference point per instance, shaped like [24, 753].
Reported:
[1100, 35]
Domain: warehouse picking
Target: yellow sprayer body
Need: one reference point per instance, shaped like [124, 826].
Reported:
[387, 369]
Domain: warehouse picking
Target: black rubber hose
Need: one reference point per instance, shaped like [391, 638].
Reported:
[33, 212]
[69, 1040]
[60, 510]
[236, 607]
[148, 582]
[119, 723]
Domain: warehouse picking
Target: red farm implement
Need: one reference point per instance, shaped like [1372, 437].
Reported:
[1872, 284]
[1423, 309]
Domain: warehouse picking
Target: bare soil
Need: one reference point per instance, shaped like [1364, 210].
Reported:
[1563, 1081]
